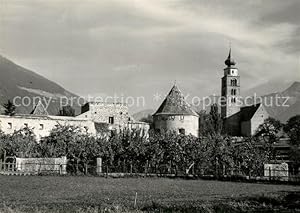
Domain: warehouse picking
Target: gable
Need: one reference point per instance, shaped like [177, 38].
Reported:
[39, 109]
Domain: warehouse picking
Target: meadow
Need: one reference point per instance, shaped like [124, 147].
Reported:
[96, 194]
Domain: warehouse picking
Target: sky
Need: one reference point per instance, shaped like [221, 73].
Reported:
[139, 48]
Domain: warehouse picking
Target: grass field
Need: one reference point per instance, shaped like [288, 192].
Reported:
[93, 194]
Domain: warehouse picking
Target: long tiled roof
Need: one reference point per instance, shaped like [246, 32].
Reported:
[248, 112]
[175, 104]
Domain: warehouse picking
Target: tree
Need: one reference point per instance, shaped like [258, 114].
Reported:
[249, 157]
[292, 129]
[268, 132]
[77, 145]
[22, 143]
[211, 124]
[216, 119]
[10, 108]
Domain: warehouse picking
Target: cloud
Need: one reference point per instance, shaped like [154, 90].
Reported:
[139, 46]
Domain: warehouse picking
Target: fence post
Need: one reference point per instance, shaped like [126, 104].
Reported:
[146, 168]
[99, 166]
[269, 173]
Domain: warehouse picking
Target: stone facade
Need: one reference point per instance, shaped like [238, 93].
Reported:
[42, 125]
[248, 127]
[115, 115]
[185, 124]
[96, 119]
[112, 113]
[174, 114]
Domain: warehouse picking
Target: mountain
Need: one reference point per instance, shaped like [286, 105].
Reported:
[17, 82]
[288, 102]
[280, 105]
[143, 114]
[271, 86]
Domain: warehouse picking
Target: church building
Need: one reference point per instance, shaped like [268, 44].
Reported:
[239, 120]
[175, 114]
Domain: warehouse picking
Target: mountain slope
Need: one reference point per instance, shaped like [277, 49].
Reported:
[143, 114]
[289, 103]
[16, 81]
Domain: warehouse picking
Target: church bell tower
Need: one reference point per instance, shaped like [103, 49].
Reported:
[230, 89]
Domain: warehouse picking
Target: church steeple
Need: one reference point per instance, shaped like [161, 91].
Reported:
[230, 88]
[229, 61]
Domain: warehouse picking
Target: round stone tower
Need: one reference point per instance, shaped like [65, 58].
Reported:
[175, 114]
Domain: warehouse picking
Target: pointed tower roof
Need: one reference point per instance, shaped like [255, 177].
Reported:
[39, 109]
[229, 61]
[174, 104]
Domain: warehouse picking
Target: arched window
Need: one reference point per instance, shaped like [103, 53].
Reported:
[233, 91]
[233, 82]
[233, 100]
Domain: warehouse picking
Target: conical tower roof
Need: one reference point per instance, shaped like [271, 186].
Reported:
[174, 104]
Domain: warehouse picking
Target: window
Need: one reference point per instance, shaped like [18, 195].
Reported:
[41, 126]
[233, 100]
[111, 120]
[26, 125]
[86, 128]
[233, 91]
[95, 112]
[181, 118]
[233, 82]
[182, 131]
[9, 125]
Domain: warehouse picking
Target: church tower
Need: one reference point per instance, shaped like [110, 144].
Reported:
[230, 89]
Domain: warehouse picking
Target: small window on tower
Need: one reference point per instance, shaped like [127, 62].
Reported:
[233, 82]
[111, 120]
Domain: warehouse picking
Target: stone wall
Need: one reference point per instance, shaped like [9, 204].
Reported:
[258, 118]
[189, 123]
[40, 165]
[246, 128]
[232, 125]
[101, 112]
[42, 125]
